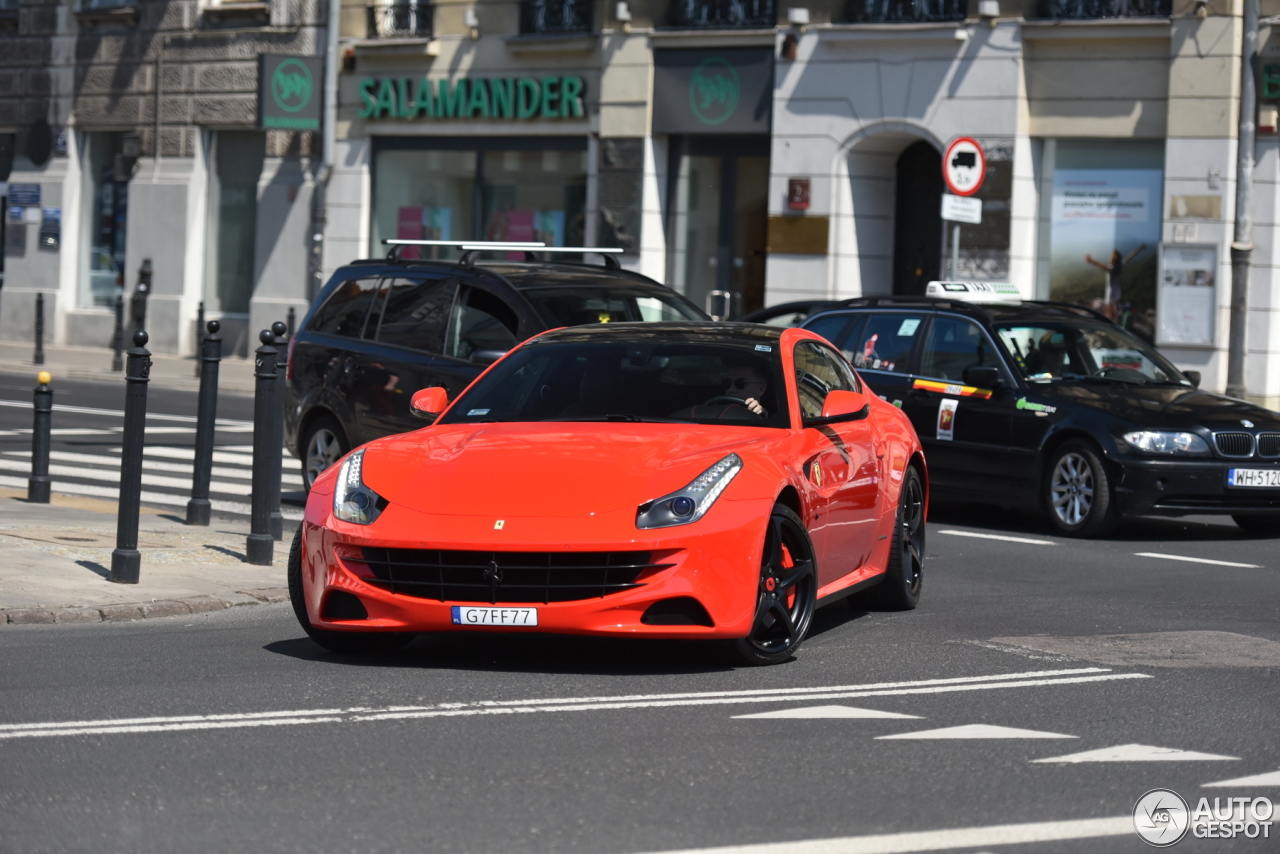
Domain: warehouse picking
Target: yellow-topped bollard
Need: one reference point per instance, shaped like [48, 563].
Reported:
[44, 378]
[39, 485]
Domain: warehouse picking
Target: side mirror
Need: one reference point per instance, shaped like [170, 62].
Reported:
[1194, 376]
[428, 403]
[841, 406]
[487, 357]
[981, 377]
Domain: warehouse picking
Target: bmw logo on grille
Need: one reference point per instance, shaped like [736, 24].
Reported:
[1245, 422]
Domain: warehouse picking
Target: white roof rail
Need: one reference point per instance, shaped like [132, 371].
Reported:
[464, 244]
[597, 250]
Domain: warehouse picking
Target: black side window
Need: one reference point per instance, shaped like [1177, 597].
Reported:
[818, 373]
[884, 343]
[831, 326]
[481, 321]
[416, 313]
[344, 312]
[955, 344]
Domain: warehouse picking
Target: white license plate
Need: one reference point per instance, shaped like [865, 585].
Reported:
[464, 616]
[1266, 478]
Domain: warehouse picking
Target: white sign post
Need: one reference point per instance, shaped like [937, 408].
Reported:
[964, 167]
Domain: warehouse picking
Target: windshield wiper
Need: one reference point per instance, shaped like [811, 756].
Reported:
[1099, 378]
[620, 417]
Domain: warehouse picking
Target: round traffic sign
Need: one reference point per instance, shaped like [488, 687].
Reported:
[964, 166]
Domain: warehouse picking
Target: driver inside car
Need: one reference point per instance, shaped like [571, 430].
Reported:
[744, 386]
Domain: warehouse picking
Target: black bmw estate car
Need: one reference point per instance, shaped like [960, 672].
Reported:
[1053, 405]
[382, 329]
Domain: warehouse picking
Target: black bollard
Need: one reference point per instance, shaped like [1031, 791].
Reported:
[38, 484]
[126, 562]
[281, 344]
[37, 358]
[117, 341]
[291, 319]
[267, 439]
[206, 425]
[199, 337]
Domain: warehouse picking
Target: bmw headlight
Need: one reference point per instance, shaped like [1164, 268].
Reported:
[691, 503]
[352, 500]
[1167, 442]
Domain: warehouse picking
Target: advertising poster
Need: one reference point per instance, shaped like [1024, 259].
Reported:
[1187, 294]
[409, 227]
[1105, 234]
[947, 418]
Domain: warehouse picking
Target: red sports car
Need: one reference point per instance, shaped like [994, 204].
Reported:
[664, 480]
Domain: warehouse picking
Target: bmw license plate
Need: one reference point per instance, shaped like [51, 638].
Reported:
[464, 616]
[1266, 478]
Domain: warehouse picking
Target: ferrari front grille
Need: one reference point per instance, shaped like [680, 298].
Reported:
[1269, 445]
[1234, 444]
[506, 577]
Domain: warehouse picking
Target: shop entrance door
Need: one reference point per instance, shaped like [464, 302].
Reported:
[917, 226]
[719, 213]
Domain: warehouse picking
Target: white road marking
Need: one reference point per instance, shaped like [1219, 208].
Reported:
[568, 704]
[147, 465]
[1197, 560]
[976, 731]
[164, 499]
[237, 489]
[119, 413]
[1139, 753]
[1269, 779]
[1003, 537]
[938, 840]
[829, 712]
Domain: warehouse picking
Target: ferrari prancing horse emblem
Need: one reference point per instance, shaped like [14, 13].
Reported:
[497, 526]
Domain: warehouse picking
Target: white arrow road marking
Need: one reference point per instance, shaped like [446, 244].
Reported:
[1269, 779]
[826, 712]
[938, 840]
[1003, 537]
[1197, 560]
[978, 731]
[566, 704]
[1139, 753]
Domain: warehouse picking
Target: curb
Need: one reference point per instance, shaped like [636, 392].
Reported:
[129, 612]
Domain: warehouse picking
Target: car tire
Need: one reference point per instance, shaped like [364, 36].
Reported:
[322, 445]
[904, 576]
[786, 594]
[358, 643]
[1264, 524]
[1079, 496]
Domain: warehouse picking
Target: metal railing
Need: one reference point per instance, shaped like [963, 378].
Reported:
[398, 20]
[904, 11]
[1092, 9]
[552, 17]
[724, 14]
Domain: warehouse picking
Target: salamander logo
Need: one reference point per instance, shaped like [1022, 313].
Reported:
[291, 85]
[714, 91]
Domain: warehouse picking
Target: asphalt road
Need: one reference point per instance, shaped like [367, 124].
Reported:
[259, 741]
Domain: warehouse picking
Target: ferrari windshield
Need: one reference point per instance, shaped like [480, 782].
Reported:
[710, 380]
[1050, 350]
[577, 305]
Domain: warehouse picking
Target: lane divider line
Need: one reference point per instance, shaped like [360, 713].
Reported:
[119, 413]
[1003, 537]
[1197, 560]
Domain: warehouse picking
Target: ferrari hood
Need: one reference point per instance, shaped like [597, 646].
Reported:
[549, 469]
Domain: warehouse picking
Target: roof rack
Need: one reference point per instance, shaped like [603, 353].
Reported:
[396, 244]
[470, 250]
[1075, 307]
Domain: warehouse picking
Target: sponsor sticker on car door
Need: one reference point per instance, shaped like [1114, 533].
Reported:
[947, 418]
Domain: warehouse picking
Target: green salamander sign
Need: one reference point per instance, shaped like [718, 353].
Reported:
[289, 92]
[472, 98]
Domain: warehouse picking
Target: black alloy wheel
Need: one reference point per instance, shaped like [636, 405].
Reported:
[323, 444]
[359, 643]
[787, 592]
[904, 576]
[1261, 524]
[1078, 493]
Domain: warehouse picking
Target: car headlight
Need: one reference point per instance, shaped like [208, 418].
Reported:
[1167, 442]
[691, 503]
[352, 500]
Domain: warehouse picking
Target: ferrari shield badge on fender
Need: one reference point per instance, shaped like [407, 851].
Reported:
[497, 526]
[947, 418]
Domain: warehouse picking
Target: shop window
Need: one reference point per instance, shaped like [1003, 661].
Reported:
[236, 161]
[535, 195]
[107, 176]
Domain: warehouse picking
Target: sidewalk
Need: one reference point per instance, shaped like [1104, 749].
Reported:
[235, 375]
[55, 563]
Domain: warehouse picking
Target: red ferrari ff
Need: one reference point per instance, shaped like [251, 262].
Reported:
[665, 480]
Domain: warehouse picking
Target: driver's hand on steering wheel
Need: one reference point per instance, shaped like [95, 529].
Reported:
[754, 405]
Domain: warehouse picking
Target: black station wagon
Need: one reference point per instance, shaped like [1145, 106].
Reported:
[382, 329]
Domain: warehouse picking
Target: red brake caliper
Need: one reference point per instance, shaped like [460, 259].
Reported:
[787, 562]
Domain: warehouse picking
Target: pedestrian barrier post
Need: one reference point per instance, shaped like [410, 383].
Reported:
[276, 462]
[117, 340]
[126, 562]
[199, 337]
[38, 485]
[198, 508]
[260, 547]
[291, 320]
[37, 358]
